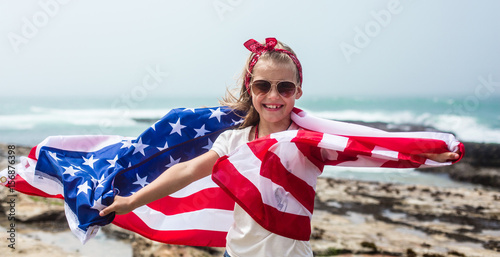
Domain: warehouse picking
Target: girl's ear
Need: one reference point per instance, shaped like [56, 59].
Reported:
[299, 93]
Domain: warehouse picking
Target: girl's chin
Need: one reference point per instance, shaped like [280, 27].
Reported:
[270, 118]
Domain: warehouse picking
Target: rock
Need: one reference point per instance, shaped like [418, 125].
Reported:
[118, 233]
[482, 154]
[18, 151]
[466, 172]
[34, 208]
[371, 218]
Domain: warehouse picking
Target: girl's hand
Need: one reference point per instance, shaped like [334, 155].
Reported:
[121, 205]
[441, 157]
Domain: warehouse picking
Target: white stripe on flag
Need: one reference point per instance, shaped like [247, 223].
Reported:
[381, 152]
[296, 163]
[286, 135]
[201, 219]
[90, 143]
[38, 180]
[431, 163]
[250, 169]
[333, 142]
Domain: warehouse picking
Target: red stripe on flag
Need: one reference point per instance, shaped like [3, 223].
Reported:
[461, 151]
[308, 147]
[404, 162]
[263, 143]
[249, 198]
[193, 237]
[24, 187]
[307, 136]
[358, 147]
[273, 169]
[412, 146]
[213, 198]
[228, 178]
[342, 157]
[32, 154]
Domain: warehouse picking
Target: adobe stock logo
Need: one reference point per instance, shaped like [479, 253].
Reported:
[224, 6]
[372, 28]
[39, 20]
[485, 89]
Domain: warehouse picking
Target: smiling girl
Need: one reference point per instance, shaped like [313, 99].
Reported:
[270, 84]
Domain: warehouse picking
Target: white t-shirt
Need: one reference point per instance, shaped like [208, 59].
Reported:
[246, 237]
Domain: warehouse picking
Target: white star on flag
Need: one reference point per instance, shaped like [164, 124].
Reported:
[69, 170]
[163, 148]
[201, 131]
[112, 162]
[139, 147]
[90, 161]
[237, 121]
[217, 114]
[100, 181]
[172, 162]
[83, 188]
[94, 181]
[176, 127]
[54, 156]
[189, 109]
[141, 181]
[209, 145]
[98, 205]
[126, 144]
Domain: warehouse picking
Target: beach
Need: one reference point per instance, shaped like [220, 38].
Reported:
[351, 218]
[448, 211]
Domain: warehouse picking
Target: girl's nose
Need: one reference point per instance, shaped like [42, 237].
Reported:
[273, 93]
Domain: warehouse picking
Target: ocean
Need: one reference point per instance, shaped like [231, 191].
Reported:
[28, 121]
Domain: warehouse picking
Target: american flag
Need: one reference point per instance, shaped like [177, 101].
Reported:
[272, 178]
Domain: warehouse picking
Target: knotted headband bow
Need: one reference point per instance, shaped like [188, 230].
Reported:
[259, 49]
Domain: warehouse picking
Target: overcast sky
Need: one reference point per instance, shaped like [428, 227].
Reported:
[347, 47]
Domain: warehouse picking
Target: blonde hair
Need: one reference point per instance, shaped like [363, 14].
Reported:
[243, 103]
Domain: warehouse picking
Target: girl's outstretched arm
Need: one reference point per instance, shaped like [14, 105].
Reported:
[170, 181]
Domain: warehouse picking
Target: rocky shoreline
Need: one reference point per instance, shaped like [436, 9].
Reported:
[351, 218]
[396, 220]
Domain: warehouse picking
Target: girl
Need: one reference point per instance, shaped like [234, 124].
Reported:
[271, 82]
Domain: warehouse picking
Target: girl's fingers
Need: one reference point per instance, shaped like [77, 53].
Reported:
[120, 205]
[442, 157]
[106, 211]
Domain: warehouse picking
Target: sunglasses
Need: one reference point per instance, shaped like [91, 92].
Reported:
[262, 87]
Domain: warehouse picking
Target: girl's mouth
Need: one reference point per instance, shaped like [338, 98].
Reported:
[273, 106]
